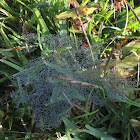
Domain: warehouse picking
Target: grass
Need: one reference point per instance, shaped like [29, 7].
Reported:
[111, 38]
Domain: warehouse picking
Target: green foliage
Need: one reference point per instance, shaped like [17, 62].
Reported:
[97, 133]
[49, 80]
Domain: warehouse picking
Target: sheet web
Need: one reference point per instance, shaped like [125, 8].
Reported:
[62, 76]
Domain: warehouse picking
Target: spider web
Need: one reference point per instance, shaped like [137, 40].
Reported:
[61, 77]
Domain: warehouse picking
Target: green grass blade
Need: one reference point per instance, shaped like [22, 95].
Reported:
[69, 124]
[5, 37]
[107, 138]
[11, 59]
[128, 101]
[31, 22]
[5, 6]
[11, 65]
[85, 115]
[41, 21]
[11, 30]
[3, 79]
[96, 132]
[4, 12]
[39, 37]
[24, 5]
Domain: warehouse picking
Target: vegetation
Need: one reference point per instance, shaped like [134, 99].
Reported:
[69, 70]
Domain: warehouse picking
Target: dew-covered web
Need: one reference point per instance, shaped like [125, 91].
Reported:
[65, 74]
[29, 43]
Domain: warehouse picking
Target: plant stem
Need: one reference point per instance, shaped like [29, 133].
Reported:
[129, 5]
[81, 24]
[107, 62]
